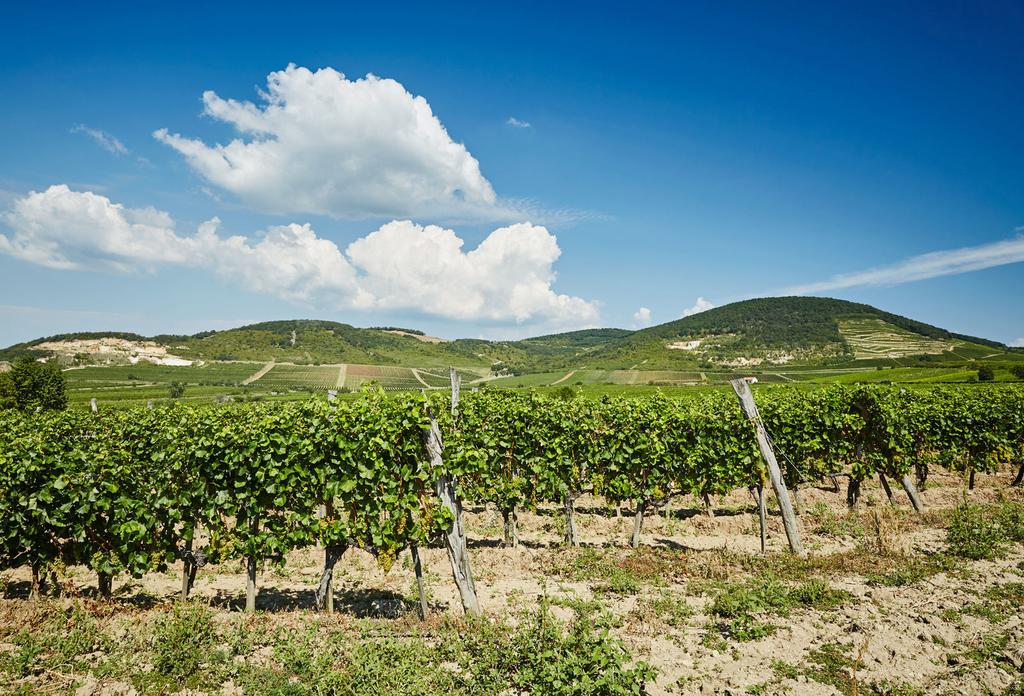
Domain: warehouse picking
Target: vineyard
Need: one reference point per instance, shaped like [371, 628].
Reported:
[127, 493]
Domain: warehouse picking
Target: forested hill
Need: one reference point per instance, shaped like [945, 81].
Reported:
[783, 330]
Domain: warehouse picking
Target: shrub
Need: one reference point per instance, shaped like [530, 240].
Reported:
[182, 640]
[975, 534]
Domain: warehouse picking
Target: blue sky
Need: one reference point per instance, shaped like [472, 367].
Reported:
[716, 151]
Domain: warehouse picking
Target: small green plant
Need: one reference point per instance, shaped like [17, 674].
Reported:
[974, 533]
[176, 390]
[182, 640]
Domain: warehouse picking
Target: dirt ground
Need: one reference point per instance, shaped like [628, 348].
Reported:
[908, 624]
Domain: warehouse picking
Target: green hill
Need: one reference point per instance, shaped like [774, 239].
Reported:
[789, 331]
[765, 333]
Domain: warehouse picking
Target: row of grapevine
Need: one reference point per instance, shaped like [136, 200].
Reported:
[125, 491]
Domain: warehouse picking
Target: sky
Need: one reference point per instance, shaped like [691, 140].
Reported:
[476, 170]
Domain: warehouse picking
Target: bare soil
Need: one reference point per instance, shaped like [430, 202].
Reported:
[946, 631]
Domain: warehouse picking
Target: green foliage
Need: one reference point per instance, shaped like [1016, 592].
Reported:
[182, 640]
[743, 605]
[176, 390]
[986, 373]
[544, 656]
[1017, 371]
[33, 386]
[973, 533]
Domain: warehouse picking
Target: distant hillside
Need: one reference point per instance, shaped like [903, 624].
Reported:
[761, 333]
[786, 330]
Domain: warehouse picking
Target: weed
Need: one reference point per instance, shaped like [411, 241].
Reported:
[975, 533]
[182, 640]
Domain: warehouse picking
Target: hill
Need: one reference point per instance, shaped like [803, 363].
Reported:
[789, 331]
[764, 333]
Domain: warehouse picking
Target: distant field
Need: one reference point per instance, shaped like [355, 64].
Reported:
[286, 377]
[142, 373]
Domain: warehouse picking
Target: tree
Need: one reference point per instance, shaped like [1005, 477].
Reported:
[32, 385]
[986, 374]
[1017, 371]
[176, 389]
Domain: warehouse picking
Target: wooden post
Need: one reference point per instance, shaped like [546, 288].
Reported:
[444, 487]
[92, 405]
[456, 381]
[908, 486]
[970, 479]
[762, 515]
[746, 398]
[418, 569]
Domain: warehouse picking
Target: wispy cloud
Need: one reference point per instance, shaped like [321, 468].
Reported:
[517, 123]
[931, 265]
[103, 139]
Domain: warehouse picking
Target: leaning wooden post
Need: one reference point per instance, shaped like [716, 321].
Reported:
[746, 398]
[915, 499]
[92, 405]
[444, 487]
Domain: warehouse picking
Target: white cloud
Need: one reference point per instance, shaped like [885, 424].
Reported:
[924, 266]
[400, 266]
[104, 139]
[642, 317]
[701, 305]
[321, 143]
[1018, 343]
[61, 228]
[516, 123]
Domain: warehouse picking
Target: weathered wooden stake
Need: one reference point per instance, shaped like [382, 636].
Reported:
[970, 480]
[915, 499]
[444, 487]
[762, 515]
[746, 398]
[418, 569]
[92, 405]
